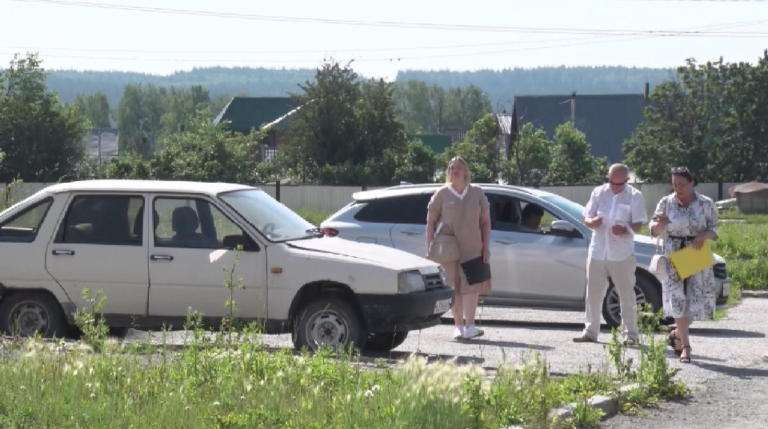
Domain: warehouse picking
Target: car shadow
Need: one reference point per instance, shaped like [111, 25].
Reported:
[430, 357]
[742, 373]
[724, 333]
[505, 344]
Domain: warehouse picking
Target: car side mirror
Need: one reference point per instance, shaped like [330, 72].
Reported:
[563, 228]
[232, 241]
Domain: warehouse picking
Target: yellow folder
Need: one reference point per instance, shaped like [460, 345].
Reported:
[688, 261]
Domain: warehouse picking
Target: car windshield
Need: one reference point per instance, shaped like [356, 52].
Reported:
[572, 208]
[276, 221]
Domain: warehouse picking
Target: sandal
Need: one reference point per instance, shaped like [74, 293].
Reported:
[675, 343]
[686, 359]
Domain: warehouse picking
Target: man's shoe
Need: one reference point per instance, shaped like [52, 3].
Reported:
[584, 338]
[629, 341]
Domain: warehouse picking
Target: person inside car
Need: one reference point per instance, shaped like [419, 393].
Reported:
[531, 218]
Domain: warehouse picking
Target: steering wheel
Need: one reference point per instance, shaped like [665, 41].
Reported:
[268, 228]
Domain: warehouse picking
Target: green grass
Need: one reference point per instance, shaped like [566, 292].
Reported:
[742, 242]
[313, 216]
[230, 381]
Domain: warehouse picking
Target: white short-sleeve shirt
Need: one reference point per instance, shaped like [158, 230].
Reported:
[625, 207]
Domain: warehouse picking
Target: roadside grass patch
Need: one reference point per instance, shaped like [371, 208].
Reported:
[742, 242]
[313, 216]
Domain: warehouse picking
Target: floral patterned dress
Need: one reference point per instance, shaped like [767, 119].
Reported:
[693, 297]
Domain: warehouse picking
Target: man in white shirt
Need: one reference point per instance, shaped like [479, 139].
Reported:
[615, 212]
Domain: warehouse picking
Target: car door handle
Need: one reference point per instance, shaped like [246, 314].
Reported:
[410, 232]
[505, 242]
[161, 258]
[64, 252]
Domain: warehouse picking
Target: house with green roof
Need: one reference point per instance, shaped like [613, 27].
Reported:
[270, 114]
[436, 142]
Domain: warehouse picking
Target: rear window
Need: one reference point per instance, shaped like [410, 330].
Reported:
[411, 209]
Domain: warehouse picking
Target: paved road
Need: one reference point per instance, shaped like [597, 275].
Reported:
[727, 372]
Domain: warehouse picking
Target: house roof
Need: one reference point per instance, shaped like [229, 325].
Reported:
[605, 119]
[436, 142]
[245, 113]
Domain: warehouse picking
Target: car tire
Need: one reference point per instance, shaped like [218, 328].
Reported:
[330, 320]
[385, 342]
[30, 309]
[644, 287]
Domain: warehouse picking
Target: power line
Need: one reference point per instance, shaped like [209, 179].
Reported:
[389, 24]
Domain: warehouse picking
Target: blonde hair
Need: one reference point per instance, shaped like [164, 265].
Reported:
[458, 160]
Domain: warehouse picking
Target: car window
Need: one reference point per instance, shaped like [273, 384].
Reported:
[103, 219]
[191, 223]
[529, 224]
[409, 209]
[23, 227]
[509, 214]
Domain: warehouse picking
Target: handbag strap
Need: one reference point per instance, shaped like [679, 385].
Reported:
[663, 231]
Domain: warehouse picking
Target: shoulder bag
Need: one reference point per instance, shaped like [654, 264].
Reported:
[444, 248]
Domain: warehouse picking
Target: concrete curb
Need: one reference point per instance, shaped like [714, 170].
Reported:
[754, 293]
[610, 406]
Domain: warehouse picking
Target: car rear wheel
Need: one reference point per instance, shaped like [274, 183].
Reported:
[385, 342]
[28, 313]
[646, 292]
[330, 321]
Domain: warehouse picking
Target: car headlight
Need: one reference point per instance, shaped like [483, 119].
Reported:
[410, 281]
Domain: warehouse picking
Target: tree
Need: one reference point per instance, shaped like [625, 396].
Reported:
[343, 130]
[416, 164]
[571, 162]
[430, 109]
[41, 138]
[529, 157]
[712, 118]
[95, 107]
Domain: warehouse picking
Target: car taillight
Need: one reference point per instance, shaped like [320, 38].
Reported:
[330, 232]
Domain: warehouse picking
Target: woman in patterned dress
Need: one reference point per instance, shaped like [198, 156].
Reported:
[686, 218]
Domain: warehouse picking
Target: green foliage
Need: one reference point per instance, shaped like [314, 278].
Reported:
[431, 109]
[530, 157]
[346, 132]
[571, 162]
[91, 324]
[204, 151]
[41, 138]
[95, 107]
[711, 118]
[415, 164]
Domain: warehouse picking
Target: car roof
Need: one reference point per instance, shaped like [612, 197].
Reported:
[107, 185]
[429, 188]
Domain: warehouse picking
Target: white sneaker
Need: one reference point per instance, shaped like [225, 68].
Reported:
[472, 332]
[458, 332]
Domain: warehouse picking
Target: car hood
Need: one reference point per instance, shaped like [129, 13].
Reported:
[648, 242]
[373, 253]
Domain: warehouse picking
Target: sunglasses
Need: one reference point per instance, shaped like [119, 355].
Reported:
[618, 183]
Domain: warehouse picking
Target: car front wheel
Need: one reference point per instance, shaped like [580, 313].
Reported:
[646, 292]
[329, 321]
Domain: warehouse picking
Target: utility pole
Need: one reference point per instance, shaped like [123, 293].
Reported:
[573, 108]
[98, 130]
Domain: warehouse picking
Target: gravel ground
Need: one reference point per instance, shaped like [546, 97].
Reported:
[727, 375]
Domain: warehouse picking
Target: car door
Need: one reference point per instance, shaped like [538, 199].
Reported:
[187, 261]
[534, 265]
[409, 223]
[100, 244]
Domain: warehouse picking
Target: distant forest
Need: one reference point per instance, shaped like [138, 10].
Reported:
[500, 86]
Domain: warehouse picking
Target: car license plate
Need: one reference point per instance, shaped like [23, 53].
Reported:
[442, 306]
[726, 287]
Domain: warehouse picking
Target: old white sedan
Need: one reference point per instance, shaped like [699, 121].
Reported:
[94, 234]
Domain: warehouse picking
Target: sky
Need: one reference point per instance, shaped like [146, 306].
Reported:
[415, 34]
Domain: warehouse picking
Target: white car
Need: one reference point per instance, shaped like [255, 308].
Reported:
[532, 269]
[92, 234]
